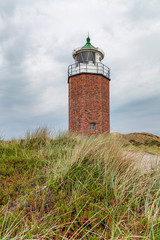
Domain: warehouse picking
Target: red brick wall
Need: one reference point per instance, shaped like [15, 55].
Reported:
[89, 103]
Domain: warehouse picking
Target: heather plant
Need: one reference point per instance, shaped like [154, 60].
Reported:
[75, 188]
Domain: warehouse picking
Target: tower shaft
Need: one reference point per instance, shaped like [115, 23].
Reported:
[89, 104]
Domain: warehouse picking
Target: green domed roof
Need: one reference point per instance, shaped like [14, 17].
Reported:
[88, 45]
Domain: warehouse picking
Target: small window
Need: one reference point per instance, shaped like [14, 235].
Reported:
[92, 126]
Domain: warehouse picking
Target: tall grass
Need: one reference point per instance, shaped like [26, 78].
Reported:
[77, 188]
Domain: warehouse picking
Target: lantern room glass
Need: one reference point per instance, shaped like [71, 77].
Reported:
[85, 57]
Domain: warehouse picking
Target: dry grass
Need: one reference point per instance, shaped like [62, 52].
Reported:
[140, 142]
[76, 188]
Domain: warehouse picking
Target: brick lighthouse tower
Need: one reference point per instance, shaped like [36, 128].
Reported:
[88, 78]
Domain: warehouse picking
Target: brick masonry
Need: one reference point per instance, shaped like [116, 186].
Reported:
[89, 103]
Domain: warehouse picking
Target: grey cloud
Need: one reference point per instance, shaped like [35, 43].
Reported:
[143, 107]
[138, 116]
[55, 121]
[36, 44]
[147, 46]
[7, 7]
[140, 11]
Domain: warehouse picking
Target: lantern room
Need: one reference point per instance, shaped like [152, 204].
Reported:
[88, 54]
[88, 59]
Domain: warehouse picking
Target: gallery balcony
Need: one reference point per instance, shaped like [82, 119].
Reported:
[95, 68]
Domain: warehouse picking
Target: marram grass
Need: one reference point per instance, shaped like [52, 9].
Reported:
[75, 188]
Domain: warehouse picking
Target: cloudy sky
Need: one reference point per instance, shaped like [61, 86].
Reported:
[36, 43]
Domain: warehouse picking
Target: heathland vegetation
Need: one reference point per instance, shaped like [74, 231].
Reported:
[71, 187]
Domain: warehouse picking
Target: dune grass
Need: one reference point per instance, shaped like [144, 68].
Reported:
[75, 188]
[140, 142]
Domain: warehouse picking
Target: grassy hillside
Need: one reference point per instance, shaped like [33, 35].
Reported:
[77, 188]
[140, 142]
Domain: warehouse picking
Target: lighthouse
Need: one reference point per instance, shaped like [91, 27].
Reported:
[88, 79]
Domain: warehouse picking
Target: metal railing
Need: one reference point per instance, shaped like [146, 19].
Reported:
[97, 68]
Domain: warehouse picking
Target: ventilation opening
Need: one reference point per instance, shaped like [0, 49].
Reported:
[92, 126]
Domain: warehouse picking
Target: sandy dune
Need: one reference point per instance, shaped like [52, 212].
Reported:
[144, 161]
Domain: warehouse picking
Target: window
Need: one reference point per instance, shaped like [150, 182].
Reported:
[85, 57]
[92, 126]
